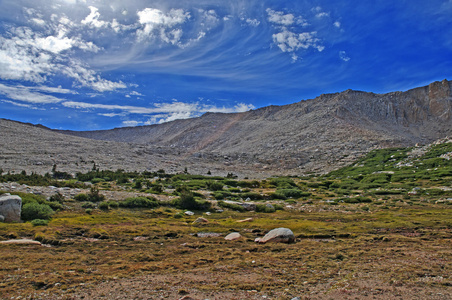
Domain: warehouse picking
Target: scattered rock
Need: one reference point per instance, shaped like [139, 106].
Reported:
[187, 298]
[278, 235]
[10, 207]
[200, 220]
[245, 220]
[189, 213]
[22, 242]
[233, 236]
[2, 219]
[246, 206]
[207, 234]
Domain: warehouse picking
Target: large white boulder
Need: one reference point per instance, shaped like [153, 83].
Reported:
[10, 207]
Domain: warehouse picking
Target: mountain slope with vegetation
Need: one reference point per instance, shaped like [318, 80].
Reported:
[319, 134]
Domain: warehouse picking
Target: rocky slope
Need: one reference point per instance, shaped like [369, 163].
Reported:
[313, 135]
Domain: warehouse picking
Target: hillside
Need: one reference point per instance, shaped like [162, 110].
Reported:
[313, 135]
[316, 135]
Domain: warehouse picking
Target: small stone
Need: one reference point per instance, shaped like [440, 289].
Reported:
[189, 213]
[200, 220]
[233, 236]
[245, 220]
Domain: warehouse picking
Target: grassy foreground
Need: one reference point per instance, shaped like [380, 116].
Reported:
[335, 252]
[378, 229]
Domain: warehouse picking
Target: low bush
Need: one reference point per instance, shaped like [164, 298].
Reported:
[39, 222]
[252, 196]
[293, 193]
[214, 185]
[56, 198]
[104, 205]
[81, 197]
[220, 195]
[266, 208]
[34, 210]
[113, 204]
[88, 205]
[232, 206]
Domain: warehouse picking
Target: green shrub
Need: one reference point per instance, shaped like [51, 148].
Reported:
[113, 204]
[252, 196]
[278, 206]
[277, 196]
[89, 211]
[230, 182]
[39, 222]
[266, 208]
[187, 200]
[104, 205]
[88, 205]
[94, 195]
[283, 182]
[232, 206]
[81, 197]
[215, 185]
[54, 205]
[34, 210]
[220, 195]
[56, 198]
[97, 180]
[293, 193]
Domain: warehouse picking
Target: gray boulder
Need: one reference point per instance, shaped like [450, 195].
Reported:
[278, 235]
[10, 207]
[233, 236]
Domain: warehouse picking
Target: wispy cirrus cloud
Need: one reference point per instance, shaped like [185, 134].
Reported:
[32, 94]
[160, 112]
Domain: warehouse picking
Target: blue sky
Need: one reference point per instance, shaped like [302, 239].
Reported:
[93, 64]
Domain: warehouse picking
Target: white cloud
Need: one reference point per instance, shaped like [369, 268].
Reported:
[322, 15]
[29, 106]
[253, 22]
[39, 22]
[92, 19]
[131, 123]
[33, 57]
[54, 44]
[156, 23]
[27, 94]
[110, 115]
[289, 41]
[278, 17]
[290, 36]
[337, 24]
[161, 112]
[135, 93]
[343, 56]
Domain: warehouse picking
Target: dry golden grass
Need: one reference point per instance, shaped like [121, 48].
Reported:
[383, 254]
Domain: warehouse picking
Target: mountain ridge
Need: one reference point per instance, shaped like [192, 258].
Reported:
[315, 135]
[359, 120]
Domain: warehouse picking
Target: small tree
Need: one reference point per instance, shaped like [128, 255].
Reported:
[94, 195]
[186, 199]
